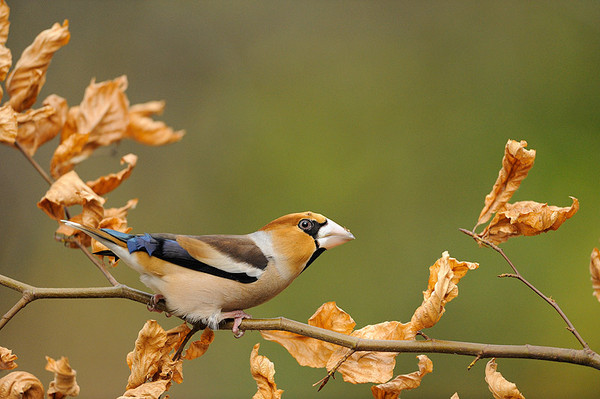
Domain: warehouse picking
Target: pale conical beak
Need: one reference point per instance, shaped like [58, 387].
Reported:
[332, 234]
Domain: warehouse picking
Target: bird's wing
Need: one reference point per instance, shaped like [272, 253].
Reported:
[233, 257]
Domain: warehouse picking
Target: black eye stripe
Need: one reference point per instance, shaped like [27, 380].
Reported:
[311, 226]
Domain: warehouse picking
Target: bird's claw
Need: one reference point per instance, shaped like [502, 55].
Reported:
[237, 316]
[153, 302]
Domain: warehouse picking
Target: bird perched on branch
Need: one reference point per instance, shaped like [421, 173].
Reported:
[210, 278]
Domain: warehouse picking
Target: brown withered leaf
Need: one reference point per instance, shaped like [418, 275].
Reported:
[393, 389]
[144, 129]
[67, 154]
[67, 191]
[309, 351]
[104, 112]
[527, 218]
[29, 74]
[150, 360]
[148, 390]
[7, 359]
[498, 385]
[263, 372]
[199, 347]
[455, 396]
[8, 125]
[516, 163]
[362, 367]
[64, 383]
[444, 274]
[21, 385]
[106, 184]
[595, 272]
[5, 63]
[39, 126]
[4, 22]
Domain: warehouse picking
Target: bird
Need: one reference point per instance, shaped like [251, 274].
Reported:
[210, 278]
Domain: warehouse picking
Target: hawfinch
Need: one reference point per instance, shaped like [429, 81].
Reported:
[210, 278]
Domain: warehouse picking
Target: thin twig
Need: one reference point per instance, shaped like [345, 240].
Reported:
[520, 277]
[34, 163]
[331, 373]
[97, 263]
[584, 357]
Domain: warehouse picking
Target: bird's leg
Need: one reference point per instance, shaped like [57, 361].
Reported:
[154, 301]
[195, 328]
[237, 316]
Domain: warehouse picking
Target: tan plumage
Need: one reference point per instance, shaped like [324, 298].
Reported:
[210, 278]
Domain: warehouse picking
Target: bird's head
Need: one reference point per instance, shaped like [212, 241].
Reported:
[301, 237]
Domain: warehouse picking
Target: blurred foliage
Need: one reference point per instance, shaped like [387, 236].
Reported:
[390, 117]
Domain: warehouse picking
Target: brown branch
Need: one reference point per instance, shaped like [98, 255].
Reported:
[584, 357]
[97, 263]
[34, 163]
[520, 277]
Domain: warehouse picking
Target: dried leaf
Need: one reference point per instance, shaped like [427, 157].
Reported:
[21, 385]
[29, 74]
[516, 163]
[199, 348]
[498, 385]
[150, 360]
[595, 272]
[67, 191]
[444, 274]
[527, 218]
[362, 367]
[5, 63]
[104, 112]
[64, 383]
[144, 129]
[68, 154]
[4, 22]
[39, 126]
[148, 390]
[309, 351]
[455, 396]
[106, 184]
[393, 389]
[7, 359]
[263, 372]
[8, 125]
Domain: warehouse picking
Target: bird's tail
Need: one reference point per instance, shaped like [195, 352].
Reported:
[105, 236]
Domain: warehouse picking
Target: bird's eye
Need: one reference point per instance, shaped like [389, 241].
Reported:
[305, 224]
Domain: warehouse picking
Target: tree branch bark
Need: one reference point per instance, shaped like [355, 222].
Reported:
[584, 357]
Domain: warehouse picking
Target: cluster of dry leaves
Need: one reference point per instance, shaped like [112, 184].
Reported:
[21, 384]
[103, 117]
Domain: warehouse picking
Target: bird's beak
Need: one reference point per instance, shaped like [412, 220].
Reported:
[332, 234]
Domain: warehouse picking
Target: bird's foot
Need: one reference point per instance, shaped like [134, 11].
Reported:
[153, 302]
[237, 316]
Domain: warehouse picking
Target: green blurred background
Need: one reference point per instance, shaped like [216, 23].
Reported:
[388, 117]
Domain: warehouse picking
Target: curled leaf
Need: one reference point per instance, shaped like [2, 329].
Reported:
[67, 191]
[150, 360]
[29, 74]
[444, 274]
[4, 22]
[148, 390]
[7, 359]
[5, 63]
[8, 125]
[516, 163]
[64, 383]
[309, 351]
[263, 372]
[38, 126]
[68, 154]
[393, 389]
[527, 218]
[106, 184]
[144, 129]
[595, 272]
[455, 396]
[199, 348]
[21, 385]
[498, 385]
